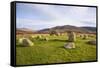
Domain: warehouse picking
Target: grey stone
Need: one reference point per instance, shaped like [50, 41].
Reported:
[26, 42]
[85, 36]
[92, 42]
[71, 37]
[69, 45]
[46, 38]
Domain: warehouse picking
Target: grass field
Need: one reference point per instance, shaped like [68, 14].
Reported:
[53, 51]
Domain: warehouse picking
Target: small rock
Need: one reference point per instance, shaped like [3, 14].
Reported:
[69, 45]
[92, 42]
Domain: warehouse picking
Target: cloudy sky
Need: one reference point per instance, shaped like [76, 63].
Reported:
[39, 16]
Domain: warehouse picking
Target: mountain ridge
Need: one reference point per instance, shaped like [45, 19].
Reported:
[61, 29]
[70, 28]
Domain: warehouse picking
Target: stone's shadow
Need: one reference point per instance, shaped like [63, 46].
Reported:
[91, 42]
[42, 40]
[19, 46]
[23, 46]
[59, 40]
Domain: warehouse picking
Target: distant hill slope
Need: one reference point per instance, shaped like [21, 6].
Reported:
[66, 28]
[24, 30]
[90, 28]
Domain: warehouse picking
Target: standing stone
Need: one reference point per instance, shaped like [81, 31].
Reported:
[71, 37]
[31, 37]
[46, 38]
[81, 36]
[71, 40]
[39, 37]
[85, 36]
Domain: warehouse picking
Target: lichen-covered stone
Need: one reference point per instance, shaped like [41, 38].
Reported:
[46, 38]
[26, 42]
[71, 37]
[69, 45]
[39, 37]
[92, 42]
[54, 33]
[85, 36]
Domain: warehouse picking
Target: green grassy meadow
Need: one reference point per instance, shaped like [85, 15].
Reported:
[53, 51]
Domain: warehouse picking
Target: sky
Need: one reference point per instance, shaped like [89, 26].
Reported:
[41, 16]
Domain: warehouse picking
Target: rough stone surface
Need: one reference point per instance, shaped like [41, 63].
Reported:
[54, 33]
[71, 37]
[39, 36]
[31, 38]
[85, 36]
[69, 45]
[81, 35]
[46, 38]
[26, 42]
[92, 42]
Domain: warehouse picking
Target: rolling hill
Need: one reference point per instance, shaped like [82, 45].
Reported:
[64, 28]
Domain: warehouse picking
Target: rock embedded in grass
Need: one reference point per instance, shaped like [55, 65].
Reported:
[26, 42]
[69, 45]
[92, 42]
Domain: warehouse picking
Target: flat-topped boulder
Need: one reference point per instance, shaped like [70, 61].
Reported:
[92, 42]
[69, 45]
[26, 42]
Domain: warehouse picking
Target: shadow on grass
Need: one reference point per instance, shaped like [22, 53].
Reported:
[42, 40]
[19, 46]
[23, 46]
[52, 40]
[59, 40]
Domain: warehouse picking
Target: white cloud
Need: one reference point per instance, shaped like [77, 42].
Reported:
[59, 18]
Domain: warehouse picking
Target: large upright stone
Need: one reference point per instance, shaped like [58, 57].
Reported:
[71, 37]
[85, 36]
[46, 38]
[31, 37]
[81, 36]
